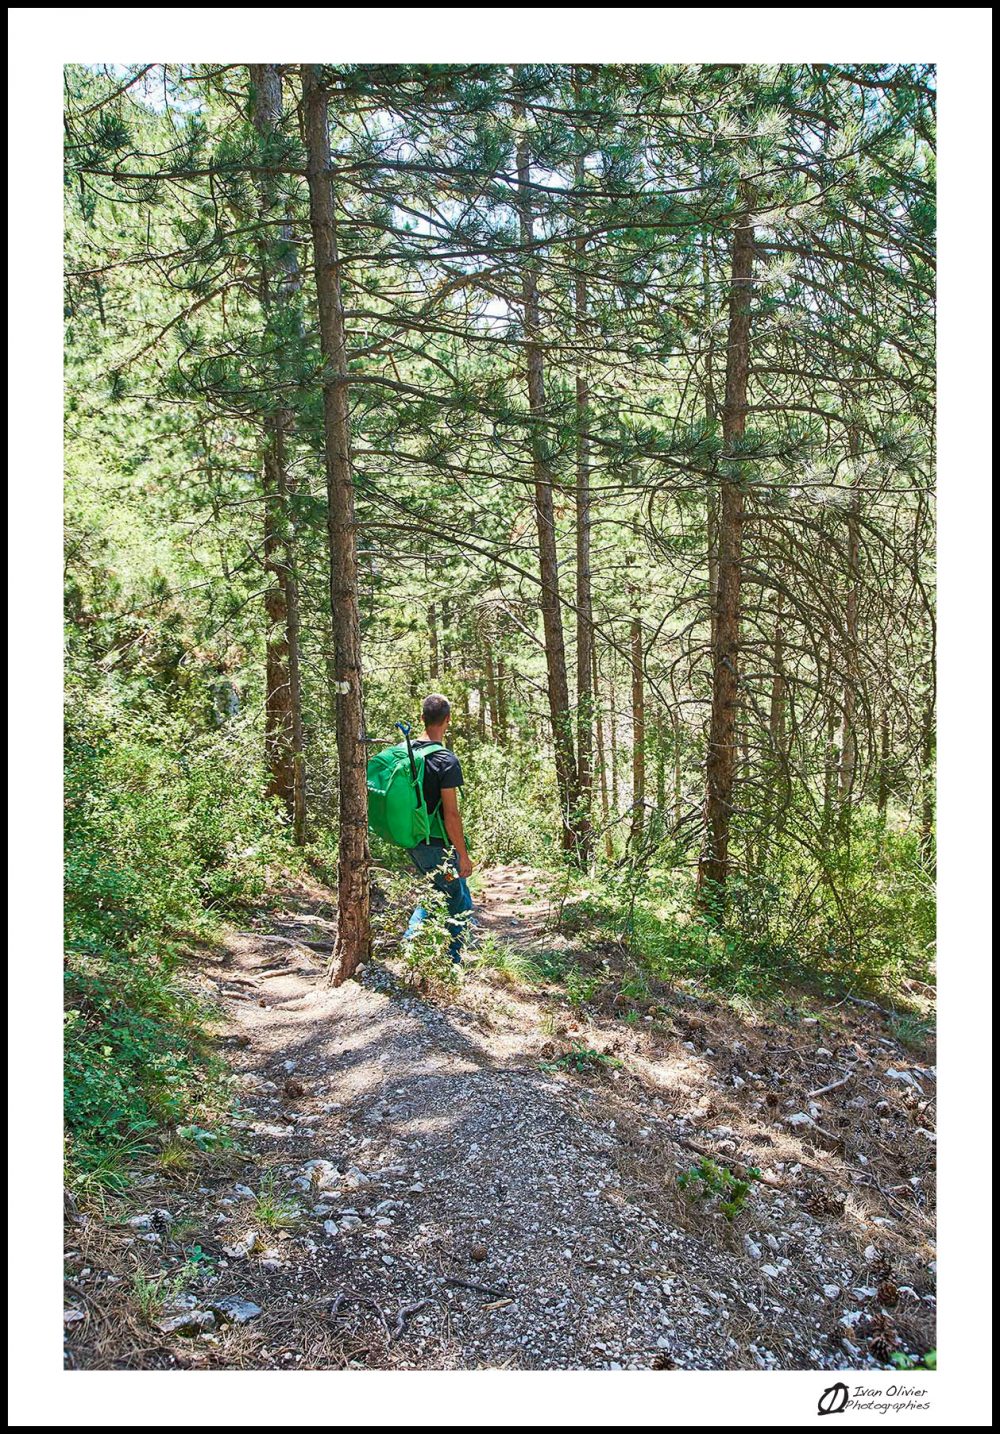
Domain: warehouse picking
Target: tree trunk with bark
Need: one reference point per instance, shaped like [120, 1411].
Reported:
[548, 557]
[432, 633]
[279, 284]
[928, 785]
[353, 942]
[638, 733]
[848, 733]
[713, 869]
[584, 594]
[497, 733]
[882, 796]
[502, 697]
[602, 766]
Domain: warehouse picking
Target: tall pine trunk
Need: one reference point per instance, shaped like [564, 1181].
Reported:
[928, 786]
[713, 868]
[638, 733]
[497, 734]
[848, 732]
[602, 766]
[584, 595]
[882, 796]
[548, 557]
[353, 914]
[774, 798]
[432, 634]
[279, 284]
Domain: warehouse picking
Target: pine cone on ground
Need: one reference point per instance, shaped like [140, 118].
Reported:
[882, 1338]
[882, 1268]
[888, 1293]
[823, 1203]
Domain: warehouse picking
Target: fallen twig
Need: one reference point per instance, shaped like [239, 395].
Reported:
[404, 1313]
[871, 1006]
[480, 1289]
[834, 1085]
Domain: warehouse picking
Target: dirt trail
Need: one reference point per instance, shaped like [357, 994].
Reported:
[466, 1198]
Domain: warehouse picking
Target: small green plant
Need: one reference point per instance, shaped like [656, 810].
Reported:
[551, 965]
[180, 1230]
[152, 1292]
[549, 1024]
[273, 1207]
[509, 962]
[426, 956]
[581, 988]
[911, 1030]
[199, 1260]
[108, 1171]
[634, 988]
[176, 1157]
[582, 1060]
[203, 1139]
[914, 1361]
[708, 1181]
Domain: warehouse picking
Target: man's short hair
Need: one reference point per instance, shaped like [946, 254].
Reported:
[435, 709]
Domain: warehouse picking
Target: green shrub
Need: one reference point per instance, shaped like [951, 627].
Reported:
[859, 916]
[156, 818]
[715, 1185]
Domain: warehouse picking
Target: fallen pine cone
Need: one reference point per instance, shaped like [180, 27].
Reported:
[882, 1338]
[888, 1293]
[478, 1253]
[882, 1268]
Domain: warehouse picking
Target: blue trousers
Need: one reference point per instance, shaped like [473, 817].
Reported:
[441, 865]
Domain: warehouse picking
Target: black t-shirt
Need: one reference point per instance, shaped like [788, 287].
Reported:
[441, 771]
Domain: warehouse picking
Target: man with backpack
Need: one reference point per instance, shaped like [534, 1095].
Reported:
[444, 855]
[413, 803]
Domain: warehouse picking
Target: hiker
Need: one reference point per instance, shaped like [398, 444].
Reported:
[444, 856]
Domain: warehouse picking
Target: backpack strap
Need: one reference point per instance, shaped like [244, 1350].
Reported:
[435, 815]
[418, 786]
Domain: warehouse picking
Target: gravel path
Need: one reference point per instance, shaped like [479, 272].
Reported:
[460, 1201]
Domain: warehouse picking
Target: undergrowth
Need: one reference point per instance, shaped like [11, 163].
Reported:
[156, 850]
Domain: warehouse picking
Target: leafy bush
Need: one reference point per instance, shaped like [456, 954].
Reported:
[861, 916]
[155, 823]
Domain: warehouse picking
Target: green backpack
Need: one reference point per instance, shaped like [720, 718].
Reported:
[397, 810]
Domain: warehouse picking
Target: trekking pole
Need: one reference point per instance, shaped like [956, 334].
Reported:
[405, 729]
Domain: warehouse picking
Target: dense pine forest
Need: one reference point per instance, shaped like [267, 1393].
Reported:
[601, 400]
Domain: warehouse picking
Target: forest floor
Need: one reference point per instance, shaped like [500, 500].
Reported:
[491, 1179]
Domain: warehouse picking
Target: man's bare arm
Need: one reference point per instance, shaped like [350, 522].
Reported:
[452, 818]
